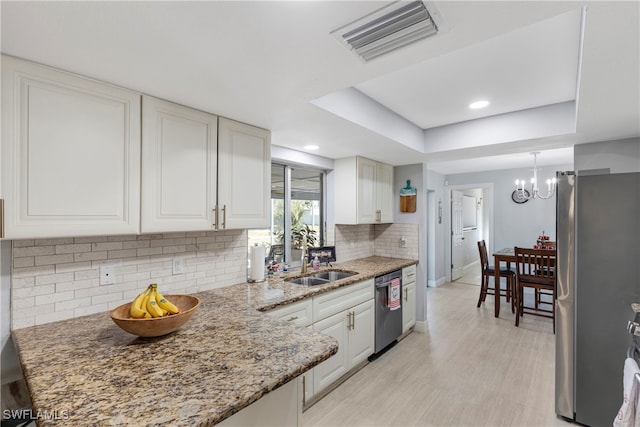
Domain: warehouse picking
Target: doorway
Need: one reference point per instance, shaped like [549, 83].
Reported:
[470, 220]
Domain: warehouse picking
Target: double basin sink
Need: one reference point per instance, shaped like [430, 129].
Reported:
[321, 278]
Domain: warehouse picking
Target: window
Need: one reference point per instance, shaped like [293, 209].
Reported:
[297, 212]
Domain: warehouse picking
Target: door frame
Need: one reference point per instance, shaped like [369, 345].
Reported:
[488, 214]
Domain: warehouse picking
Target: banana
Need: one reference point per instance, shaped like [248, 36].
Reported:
[137, 311]
[152, 305]
[165, 304]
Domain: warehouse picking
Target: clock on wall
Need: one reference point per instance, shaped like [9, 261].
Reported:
[517, 198]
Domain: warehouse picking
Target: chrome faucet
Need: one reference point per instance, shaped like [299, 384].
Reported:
[303, 258]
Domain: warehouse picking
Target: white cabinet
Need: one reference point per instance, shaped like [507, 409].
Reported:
[364, 191]
[244, 175]
[179, 167]
[70, 154]
[299, 313]
[409, 297]
[347, 314]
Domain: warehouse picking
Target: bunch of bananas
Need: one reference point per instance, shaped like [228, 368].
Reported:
[151, 303]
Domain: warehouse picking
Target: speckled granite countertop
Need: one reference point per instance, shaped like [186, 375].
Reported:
[87, 371]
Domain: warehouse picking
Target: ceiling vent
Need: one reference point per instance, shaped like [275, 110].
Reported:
[392, 27]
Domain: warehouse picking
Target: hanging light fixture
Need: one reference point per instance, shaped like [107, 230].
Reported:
[525, 195]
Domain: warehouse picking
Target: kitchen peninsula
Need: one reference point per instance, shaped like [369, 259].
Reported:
[229, 355]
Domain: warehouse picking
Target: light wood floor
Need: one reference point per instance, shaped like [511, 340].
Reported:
[468, 369]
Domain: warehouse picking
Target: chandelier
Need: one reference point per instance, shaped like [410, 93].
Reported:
[522, 194]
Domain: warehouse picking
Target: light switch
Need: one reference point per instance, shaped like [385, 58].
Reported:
[178, 265]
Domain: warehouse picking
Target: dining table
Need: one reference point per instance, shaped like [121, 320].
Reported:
[506, 255]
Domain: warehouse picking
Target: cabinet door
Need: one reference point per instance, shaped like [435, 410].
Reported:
[337, 365]
[366, 191]
[384, 192]
[244, 175]
[70, 154]
[179, 149]
[408, 306]
[362, 334]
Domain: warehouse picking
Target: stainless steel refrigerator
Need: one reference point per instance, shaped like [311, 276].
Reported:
[598, 257]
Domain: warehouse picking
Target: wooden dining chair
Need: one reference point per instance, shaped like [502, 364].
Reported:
[535, 268]
[488, 276]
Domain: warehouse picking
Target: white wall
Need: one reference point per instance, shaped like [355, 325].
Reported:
[620, 156]
[417, 175]
[513, 224]
[436, 233]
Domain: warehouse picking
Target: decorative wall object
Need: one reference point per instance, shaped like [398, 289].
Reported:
[408, 198]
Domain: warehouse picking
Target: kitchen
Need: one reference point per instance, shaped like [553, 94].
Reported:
[332, 129]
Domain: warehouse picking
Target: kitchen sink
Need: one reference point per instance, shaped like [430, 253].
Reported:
[333, 275]
[309, 281]
[321, 278]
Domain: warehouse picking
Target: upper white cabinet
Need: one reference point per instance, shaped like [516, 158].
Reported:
[179, 167]
[364, 191]
[244, 175]
[70, 154]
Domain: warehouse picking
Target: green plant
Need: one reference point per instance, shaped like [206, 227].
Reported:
[301, 231]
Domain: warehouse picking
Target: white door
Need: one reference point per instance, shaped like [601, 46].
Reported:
[70, 154]
[366, 191]
[384, 195]
[179, 149]
[337, 365]
[409, 306]
[244, 175]
[362, 334]
[457, 235]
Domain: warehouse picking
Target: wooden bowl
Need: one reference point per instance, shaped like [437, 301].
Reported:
[156, 326]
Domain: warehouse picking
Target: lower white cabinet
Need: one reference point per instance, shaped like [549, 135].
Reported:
[409, 307]
[281, 407]
[354, 330]
[409, 297]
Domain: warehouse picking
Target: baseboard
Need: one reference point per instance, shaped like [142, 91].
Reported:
[473, 266]
[435, 283]
[421, 326]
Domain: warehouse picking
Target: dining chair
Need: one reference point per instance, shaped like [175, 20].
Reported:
[535, 268]
[488, 274]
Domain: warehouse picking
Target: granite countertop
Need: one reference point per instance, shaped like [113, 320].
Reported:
[88, 371]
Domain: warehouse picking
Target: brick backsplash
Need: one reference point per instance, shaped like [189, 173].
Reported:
[57, 279]
[360, 241]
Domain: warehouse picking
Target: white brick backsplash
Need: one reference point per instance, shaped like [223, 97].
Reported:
[28, 261]
[57, 279]
[73, 248]
[359, 241]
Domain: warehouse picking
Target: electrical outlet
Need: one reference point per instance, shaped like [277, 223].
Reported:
[107, 275]
[403, 242]
[178, 265]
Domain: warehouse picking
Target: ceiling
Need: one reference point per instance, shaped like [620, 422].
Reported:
[554, 78]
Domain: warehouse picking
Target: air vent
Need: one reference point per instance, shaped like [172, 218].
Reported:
[390, 28]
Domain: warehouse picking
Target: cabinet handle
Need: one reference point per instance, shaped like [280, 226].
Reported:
[215, 218]
[378, 215]
[304, 390]
[353, 320]
[292, 318]
[1, 218]
[224, 216]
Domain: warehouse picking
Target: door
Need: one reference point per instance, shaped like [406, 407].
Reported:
[244, 175]
[70, 154]
[366, 191]
[179, 149]
[333, 368]
[457, 235]
[361, 334]
[384, 192]
[409, 306]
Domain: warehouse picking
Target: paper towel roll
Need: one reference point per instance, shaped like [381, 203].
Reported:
[256, 258]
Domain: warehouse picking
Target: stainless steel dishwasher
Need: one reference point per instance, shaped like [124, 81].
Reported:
[388, 319]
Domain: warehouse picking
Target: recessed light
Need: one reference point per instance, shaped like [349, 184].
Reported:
[478, 104]
[311, 147]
